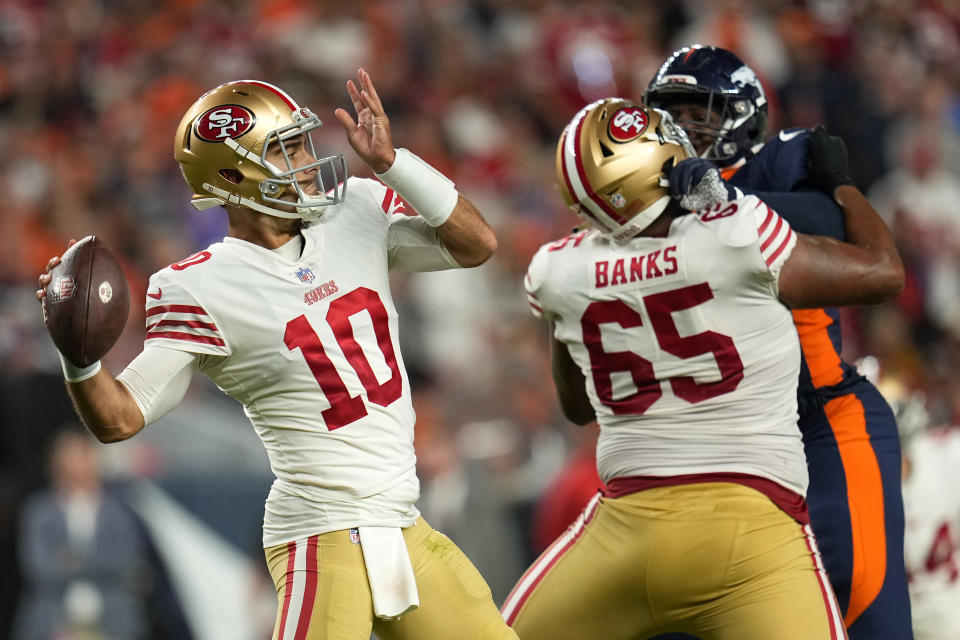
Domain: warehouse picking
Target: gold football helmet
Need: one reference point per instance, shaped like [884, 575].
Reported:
[611, 161]
[248, 143]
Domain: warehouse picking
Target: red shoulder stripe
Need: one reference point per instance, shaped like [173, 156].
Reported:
[773, 234]
[186, 337]
[387, 200]
[783, 245]
[766, 220]
[176, 308]
[196, 324]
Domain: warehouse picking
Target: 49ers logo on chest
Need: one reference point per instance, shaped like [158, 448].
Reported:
[627, 123]
[226, 121]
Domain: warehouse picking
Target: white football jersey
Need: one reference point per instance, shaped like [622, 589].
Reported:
[310, 348]
[931, 540]
[691, 360]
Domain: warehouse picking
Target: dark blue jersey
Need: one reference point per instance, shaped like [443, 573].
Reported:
[849, 432]
[778, 176]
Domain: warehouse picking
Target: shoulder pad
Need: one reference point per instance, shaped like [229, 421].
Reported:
[781, 165]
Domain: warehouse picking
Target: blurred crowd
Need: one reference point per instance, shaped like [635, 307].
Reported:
[91, 92]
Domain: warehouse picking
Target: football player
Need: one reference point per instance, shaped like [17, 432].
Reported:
[849, 433]
[670, 329]
[292, 315]
[931, 502]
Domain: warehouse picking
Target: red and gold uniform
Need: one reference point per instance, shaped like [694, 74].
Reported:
[690, 362]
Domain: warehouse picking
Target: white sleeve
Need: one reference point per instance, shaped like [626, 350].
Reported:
[413, 245]
[536, 275]
[177, 320]
[158, 379]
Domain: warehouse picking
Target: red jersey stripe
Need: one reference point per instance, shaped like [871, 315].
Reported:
[783, 245]
[766, 221]
[773, 235]
[186, 337]
[175, 308]
[196, 324]
[387, 200]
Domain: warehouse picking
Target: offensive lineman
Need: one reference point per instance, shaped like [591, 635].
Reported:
[670, 330]
[849, 432]
[292, 315]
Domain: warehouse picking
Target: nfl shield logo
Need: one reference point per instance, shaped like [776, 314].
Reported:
[355, 536]
[305, 274]
[63, 288]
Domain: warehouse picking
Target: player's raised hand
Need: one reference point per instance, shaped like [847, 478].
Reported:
[370, 134]
[829, 167]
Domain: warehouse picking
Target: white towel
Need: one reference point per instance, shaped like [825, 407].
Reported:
[389, 571]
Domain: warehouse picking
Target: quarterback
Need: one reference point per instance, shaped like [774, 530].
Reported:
[292, 315]
[670, 329]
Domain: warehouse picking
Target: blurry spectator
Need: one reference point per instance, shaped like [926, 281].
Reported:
[918, 198]
[569, 490]
[735, 25]
[81, 553]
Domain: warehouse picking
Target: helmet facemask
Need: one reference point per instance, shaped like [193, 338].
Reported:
[725, 90]
[723, 121]
[327, 175]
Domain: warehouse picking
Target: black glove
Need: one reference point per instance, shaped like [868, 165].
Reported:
[827, 160]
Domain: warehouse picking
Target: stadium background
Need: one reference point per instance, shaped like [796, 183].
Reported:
[91, 92]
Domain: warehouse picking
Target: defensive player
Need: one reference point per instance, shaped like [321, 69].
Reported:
[849, 433]
[292, 315]
[671, 331]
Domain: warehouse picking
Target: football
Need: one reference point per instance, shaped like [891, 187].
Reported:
[87, 301]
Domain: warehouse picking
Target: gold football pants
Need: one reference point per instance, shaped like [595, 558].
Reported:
[716, 560]
[324, 594]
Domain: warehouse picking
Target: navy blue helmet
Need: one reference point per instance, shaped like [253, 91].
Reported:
[718, 81]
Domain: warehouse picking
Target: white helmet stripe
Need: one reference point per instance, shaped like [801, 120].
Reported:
[569, 183]
[573, 169]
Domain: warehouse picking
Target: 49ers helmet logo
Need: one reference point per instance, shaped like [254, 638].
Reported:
[225, 121]
[627, 124]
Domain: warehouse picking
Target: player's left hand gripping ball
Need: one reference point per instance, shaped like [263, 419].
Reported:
[87, 301]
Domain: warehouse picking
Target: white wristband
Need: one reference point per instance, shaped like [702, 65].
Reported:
[73, 373]
[427, 190]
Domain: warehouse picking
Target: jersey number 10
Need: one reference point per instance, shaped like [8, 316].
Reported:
[345, 408]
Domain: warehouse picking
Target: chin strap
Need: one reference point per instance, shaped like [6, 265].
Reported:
[225, 197]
